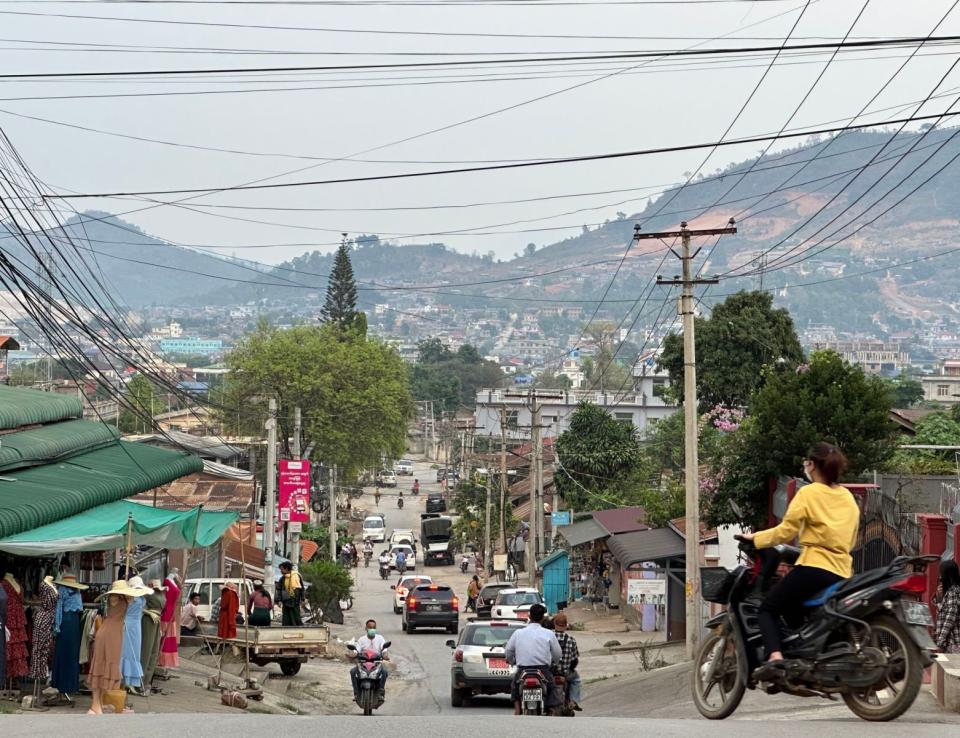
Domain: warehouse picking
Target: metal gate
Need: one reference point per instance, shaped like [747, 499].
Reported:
[885, 532]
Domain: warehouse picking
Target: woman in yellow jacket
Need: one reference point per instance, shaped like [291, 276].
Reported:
[826, 518]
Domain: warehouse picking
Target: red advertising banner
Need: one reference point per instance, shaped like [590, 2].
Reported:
[294, 491]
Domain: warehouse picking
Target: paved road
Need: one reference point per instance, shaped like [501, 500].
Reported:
[494, 723]
[422, 659]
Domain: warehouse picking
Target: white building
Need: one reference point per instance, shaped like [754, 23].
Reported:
[945, 386]
[643, 407]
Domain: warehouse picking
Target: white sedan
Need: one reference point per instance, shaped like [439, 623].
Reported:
[408, 551]
[403, 586]
[515, 603]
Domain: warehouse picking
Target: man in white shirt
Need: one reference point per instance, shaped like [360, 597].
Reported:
[534, 646]
[371, 641]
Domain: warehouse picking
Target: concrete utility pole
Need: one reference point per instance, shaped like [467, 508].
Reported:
[503, 478]
[270, 513]
[691, 440]
[294, 543]
[536, 490]
[333, 512]
[487, 551]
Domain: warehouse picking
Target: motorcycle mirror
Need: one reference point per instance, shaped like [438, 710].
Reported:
[387, 644]
[451, 643]
[351, 647]
[737, 512]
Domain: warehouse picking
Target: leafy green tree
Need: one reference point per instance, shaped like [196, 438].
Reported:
[825, 400]
[907, 391]
[549, 379]
[451, 378]
[937, 429]
[329, 583]
[595, 452]
[340, 307]
[433, 351]
[354, 394]
[743, 336]
[139, 406]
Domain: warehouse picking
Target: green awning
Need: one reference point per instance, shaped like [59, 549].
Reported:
[50, 443]
[40, 495]
[19, 407]
[105, 527]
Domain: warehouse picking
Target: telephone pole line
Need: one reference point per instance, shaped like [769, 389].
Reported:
[294, 540]
[270, 511]
[694, 607]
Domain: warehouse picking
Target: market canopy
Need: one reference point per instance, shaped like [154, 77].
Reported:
[105, 527]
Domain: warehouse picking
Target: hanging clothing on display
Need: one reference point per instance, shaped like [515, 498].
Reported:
[67, 627]
[3, 641]
[18, 658]
[229, 607]
[169, 625]
[150, 627]
[130, 665]
[107, 646]
[44, 615]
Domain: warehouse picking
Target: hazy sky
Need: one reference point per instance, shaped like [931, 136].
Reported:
[649, 104]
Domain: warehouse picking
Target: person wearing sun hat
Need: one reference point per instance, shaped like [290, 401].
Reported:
[66, 627]
[130, 665]
[105, 673]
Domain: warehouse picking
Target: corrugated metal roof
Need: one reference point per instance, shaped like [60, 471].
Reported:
[44, 494]
[53, 442]
[622, 519]
[645, 545]
[223, 495]
[583, 532]
[19, 407]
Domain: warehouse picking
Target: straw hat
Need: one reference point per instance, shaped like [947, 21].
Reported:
[121, 587]
[69, 580]
[157, 584]
[137, 583]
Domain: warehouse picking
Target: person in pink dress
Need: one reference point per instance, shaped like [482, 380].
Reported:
[169, 623]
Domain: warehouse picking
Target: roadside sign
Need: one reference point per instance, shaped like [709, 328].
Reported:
[560, 517]
[294, 489]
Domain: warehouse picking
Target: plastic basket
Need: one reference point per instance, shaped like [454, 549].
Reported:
[715, 584]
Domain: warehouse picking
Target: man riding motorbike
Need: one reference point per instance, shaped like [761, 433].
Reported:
[568, 661]
[370, 641]
[384, 564]
[534, 647]
[367, 551]
[400, 499]
[401, 561]
[346, 554]
[826, 517]
[416, 486]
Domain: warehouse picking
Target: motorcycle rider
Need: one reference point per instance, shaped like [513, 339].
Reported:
[534, 647]
[464, 562]
[569, 660]
[401, 562]
[400, 498]
[384, 561]
[827, 518]
[416, 486]
[367, 551]
[370, 641]
[346, 554]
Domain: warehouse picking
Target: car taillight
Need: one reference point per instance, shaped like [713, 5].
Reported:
[531, 682]
[912, 584]
[458, 655]
[455, 603]
[412, 603]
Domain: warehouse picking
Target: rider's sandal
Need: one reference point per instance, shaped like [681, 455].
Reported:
[769, 671]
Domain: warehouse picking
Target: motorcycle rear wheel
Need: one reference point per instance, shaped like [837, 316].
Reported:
[903, 683]
[718, 698]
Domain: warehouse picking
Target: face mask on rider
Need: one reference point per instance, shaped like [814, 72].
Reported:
[371, 632]
[806, 469]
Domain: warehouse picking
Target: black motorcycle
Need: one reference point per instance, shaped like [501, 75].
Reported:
[384, 571]
[532, 685]
[864, 638]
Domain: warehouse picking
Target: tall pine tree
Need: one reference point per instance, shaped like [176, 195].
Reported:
[340, 307]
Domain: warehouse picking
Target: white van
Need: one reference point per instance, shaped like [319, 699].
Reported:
[404, 467]
[374, 528]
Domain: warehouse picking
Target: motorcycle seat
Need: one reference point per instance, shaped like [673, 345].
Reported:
[844, 585]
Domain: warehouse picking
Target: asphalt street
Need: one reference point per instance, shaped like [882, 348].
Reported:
[420, 679]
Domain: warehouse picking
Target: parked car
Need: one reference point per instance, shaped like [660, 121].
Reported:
[436, 503]
[209, 590]
[408, 550]
[388, 478]
[374, 528]
[487, 595]
[479, 665]
[404, 467]
[431, 606]
[510, 602]
[403, 586]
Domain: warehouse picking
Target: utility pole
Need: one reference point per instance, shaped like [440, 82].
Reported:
[333, 512]
[487, 551]
[694, 607]
[270, 513]
[294, 542]
[536, 490]
[503, 478]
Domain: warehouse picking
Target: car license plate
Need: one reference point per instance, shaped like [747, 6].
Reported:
[433, 608]
[497, 664]
[917, 613]
[531, 695]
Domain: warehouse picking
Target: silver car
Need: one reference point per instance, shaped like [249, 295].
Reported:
[479, 664]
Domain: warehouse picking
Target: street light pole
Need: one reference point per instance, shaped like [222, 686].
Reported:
[270, 511]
